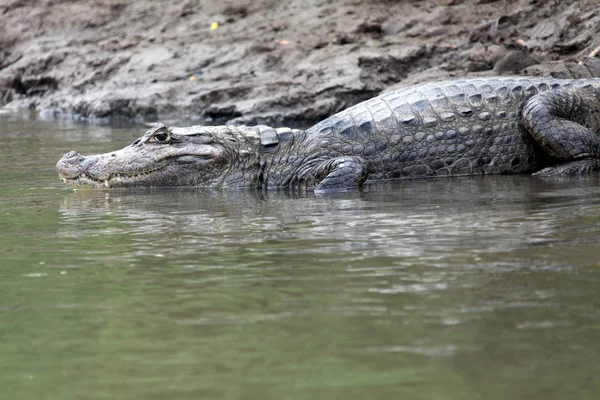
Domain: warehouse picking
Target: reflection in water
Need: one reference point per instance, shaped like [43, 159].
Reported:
[469, 288]
[412, 219]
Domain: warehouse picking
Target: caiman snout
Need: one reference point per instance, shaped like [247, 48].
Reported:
[69, 165]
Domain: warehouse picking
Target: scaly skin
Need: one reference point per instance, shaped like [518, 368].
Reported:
[463, 127]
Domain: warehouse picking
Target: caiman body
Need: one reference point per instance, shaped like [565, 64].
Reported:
[451, 128]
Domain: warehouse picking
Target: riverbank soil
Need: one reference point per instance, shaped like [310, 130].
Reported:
[268, 61]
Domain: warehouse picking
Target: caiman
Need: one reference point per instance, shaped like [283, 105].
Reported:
[506, 125]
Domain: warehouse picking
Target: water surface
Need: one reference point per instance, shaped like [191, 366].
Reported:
[470, 288]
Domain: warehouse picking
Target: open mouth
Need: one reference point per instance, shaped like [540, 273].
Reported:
[119, 179]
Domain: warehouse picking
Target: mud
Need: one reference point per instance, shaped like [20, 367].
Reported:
[274, 62]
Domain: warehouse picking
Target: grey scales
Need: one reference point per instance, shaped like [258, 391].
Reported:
[503, 125]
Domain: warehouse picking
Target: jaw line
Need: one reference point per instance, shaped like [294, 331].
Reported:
[86, 179]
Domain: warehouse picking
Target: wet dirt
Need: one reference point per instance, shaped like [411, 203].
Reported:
[279, 63]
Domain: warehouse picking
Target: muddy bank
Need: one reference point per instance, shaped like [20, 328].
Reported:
[271, 62]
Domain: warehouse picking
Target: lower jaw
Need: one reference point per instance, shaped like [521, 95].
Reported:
[83, 183]
[111, 183]
[118, 180]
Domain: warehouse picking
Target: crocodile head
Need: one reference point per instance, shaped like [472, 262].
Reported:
[163, 156]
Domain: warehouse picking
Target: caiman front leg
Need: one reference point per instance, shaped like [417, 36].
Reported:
[341, 173]
[566, 125]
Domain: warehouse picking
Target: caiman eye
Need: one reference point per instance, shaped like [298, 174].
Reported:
[162, 137]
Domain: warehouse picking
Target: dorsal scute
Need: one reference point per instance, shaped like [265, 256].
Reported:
[273, 136]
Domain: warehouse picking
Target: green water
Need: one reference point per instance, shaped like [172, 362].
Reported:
[473, 288]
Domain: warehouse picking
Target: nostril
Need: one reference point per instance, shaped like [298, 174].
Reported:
[73, 156]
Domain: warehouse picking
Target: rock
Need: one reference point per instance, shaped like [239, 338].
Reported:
[513, 62]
